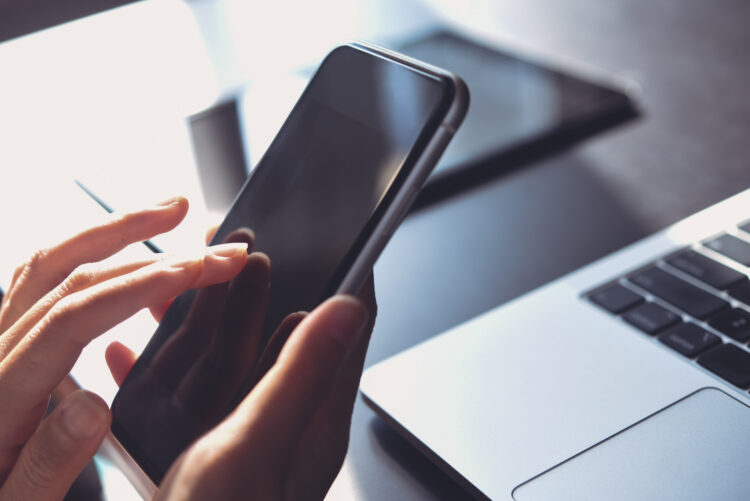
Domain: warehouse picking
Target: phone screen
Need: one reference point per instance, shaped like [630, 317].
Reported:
[312, 202]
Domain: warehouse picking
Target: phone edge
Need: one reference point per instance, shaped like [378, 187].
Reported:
[424, 165]
[111, 449]
[115, 452]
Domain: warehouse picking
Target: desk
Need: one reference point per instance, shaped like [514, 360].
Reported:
[487, 246]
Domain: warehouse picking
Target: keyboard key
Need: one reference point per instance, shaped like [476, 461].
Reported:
[735, 323]
[732, 247]
[689, 339]
[745, 226]
[741, 292]
[616, 298]
[706, 270]
[687, 297]
[651, 318]
[729, 362]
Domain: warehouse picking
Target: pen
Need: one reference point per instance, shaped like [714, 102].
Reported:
[104, 205]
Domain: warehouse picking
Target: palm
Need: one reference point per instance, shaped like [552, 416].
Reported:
[275, 462]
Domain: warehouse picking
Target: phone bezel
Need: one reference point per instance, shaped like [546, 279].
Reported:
[392, 208]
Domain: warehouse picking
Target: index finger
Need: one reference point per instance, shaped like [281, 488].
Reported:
[49, 267]
[42, 358]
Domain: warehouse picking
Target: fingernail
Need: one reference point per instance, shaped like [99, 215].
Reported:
[348, 320]
[170, 202]
[186, 263]
[83, 417]
[228, 250]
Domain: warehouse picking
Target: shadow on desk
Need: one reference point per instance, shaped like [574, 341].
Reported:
[491, 244]
[415, 464]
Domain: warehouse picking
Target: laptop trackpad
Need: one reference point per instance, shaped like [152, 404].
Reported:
[698, 448]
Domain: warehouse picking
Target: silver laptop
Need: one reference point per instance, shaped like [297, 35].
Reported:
[627, 379]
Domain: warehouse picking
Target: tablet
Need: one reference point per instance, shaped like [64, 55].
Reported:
[520, 110]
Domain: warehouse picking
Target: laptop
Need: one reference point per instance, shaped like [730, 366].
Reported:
[627, 379]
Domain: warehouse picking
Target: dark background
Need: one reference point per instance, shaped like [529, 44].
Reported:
[18, 17]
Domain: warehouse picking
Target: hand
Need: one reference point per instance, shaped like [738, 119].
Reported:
[287, 439]
[60, 300]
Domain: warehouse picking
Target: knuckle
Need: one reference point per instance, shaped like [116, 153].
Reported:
[35, 262]
[80, 278]
[39, 468]
[61, 313]
[157, 278]
[60, 310]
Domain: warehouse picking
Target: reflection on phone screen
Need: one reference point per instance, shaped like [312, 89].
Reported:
[310, 202]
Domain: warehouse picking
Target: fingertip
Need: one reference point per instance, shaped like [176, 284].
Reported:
[222, 263]
[158, 311]
[60, 447]
[110, 353]
[230, 250]
[341, 319]
[347, 301]
[175, 209]
[243, 234]
[84, 416]
[120, 360]
[259, 260]
[345, 318]
[175, 202]
[183, 204]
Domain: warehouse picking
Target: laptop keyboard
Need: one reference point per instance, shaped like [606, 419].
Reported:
[695, 301]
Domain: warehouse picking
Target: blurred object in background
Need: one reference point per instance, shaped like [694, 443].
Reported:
[523, 108]
[261, 54]
[117, 112]
[263, 38]
[103, 100]
[219, 153]
[20, 17]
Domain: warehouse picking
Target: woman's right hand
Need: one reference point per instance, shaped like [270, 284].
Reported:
[60, 300]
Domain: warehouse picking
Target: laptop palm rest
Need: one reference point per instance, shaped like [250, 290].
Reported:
[703, 448]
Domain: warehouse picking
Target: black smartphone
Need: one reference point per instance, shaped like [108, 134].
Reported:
[322, 202]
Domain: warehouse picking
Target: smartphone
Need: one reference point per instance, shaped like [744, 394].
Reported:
[322, 202]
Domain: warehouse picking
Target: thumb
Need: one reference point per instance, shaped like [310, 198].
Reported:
[59, 449]
[281, 406]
